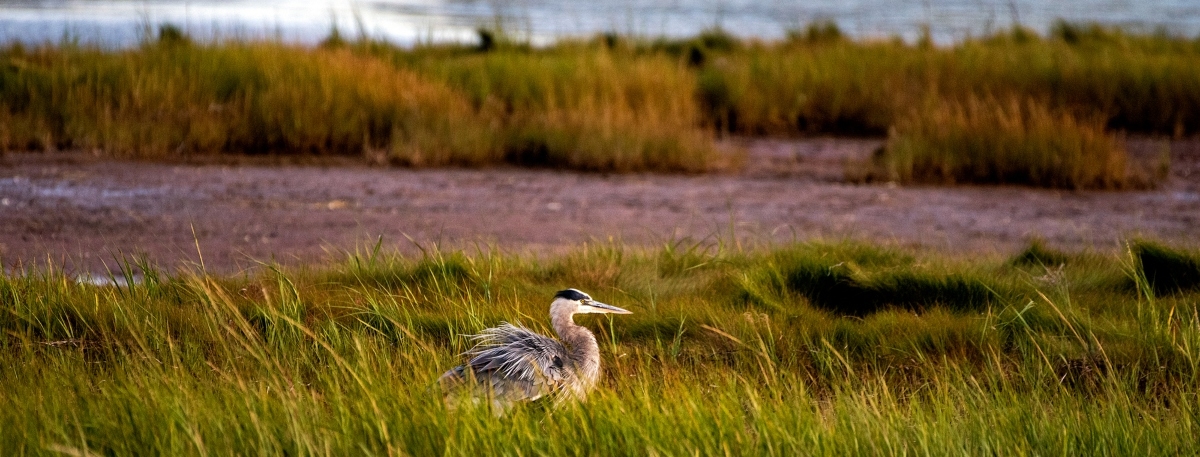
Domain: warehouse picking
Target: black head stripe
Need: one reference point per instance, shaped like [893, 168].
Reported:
[572, 294]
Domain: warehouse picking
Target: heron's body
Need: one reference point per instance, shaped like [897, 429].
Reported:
[510, 363]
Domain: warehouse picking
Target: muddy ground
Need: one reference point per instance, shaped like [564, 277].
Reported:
[81, 212]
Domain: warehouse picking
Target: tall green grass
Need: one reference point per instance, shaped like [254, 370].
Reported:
[724, 354]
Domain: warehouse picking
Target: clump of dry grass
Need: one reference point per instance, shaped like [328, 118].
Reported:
[585, 108]
[822, 87]
[1004, 140]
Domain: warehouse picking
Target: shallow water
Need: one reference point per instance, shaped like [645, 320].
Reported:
[122, 22]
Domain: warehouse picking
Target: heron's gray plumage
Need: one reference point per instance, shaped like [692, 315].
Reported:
[511, 363]
[520, 364]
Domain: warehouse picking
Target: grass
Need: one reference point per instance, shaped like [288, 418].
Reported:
[175, 98]
[1167, 270]
[172, 99]
[858, 282]
[1136, 83]
[1040, 255]
[1004, 141]
[727, 352]
[621, 104]
[585, 108]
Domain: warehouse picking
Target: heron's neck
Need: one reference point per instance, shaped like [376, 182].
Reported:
[581, 344]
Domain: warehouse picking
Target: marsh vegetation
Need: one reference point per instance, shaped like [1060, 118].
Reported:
[1014, 107]
[822, 348]
[811, 348]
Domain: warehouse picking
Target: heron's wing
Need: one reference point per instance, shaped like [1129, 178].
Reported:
[518, 364]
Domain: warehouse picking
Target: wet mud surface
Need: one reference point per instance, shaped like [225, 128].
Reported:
[82, 213]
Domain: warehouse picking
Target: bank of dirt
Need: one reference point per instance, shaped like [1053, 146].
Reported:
[81, 212]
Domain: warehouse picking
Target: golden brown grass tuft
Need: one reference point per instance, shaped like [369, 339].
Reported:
[586, 108]
[1004, 140]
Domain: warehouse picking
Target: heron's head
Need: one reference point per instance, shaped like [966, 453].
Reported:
[572, 301]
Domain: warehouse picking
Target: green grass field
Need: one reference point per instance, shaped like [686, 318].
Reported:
[1015, 107]
[811, 349]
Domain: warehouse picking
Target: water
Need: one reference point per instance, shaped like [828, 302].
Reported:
[122, 22]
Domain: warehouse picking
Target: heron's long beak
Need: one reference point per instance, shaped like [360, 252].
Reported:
[597, 307]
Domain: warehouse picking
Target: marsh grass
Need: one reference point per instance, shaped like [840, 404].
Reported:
[839, 88]
[1004, 141]
[1038, 254]
[172, 98]
[619, 104]
[857, 282]
[1167, 270]
[816, 81]
[1018, 107]
[343, 357]
[584, 107]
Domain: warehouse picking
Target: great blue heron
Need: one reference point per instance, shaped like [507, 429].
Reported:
[510, 363]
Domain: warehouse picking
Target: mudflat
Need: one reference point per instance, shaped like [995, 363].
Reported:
[81, 212]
